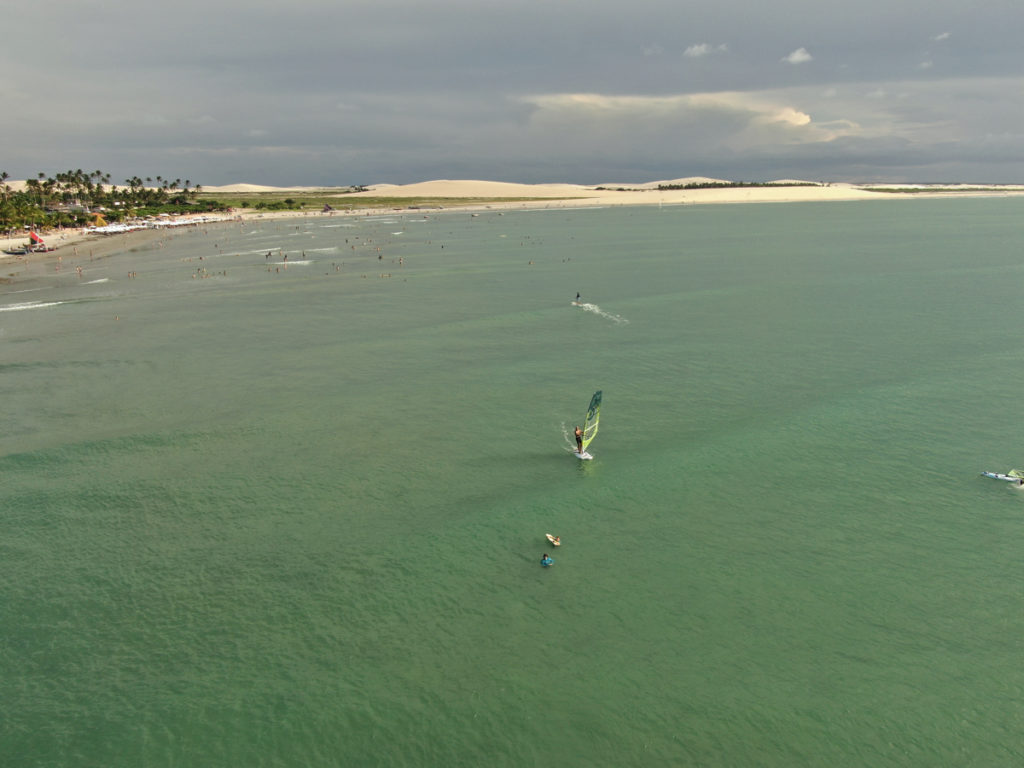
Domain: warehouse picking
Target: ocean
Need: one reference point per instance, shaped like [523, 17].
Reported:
[269, 511]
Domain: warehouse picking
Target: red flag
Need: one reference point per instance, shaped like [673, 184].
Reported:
[35, 238]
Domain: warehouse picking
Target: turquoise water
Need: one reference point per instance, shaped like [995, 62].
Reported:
[269, 513]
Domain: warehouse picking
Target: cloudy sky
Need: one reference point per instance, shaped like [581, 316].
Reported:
[336, 92]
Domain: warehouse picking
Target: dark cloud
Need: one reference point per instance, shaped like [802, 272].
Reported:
[320, 92]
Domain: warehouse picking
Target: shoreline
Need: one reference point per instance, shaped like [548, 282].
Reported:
[83, 243]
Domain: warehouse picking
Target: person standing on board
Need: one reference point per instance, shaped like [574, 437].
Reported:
[579, 439]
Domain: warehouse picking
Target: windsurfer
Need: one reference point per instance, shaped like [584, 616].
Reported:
[579, 440]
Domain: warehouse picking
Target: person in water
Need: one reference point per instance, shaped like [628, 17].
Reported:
[577, 297]
[545, 560]
[579, 439]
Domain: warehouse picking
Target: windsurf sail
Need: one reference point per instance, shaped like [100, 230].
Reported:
[593, 414]
[35, 238]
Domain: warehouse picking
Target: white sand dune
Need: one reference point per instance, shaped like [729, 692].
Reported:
[259, 188]
[474, 188]
[647, 193]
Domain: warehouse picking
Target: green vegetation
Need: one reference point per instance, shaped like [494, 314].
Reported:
[73, 198]
[737, 184]
[289, 200]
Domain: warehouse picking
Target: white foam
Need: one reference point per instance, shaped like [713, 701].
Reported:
[601, 313]
[30, 290]
[30, 305]
[100, 280]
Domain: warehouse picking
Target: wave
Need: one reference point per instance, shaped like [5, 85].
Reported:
[30, 305]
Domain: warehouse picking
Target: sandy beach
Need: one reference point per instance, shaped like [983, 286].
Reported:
[83, 242]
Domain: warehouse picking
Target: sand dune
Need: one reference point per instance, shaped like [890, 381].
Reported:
[647, 193]
[474, 188]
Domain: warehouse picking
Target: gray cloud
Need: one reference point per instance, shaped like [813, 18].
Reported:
[321, 92]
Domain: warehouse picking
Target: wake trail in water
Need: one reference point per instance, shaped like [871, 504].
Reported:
[570, 439]
[619, 319]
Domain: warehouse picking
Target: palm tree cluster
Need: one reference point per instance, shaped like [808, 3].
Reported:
[72, 198]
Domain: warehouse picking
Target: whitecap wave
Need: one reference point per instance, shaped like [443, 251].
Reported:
[30, 305]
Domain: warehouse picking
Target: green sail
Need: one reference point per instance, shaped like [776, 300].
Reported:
[593, 415]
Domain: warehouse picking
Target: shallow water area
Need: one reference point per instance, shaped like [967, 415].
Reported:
[261, 511]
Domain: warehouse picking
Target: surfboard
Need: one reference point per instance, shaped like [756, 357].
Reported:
[1001, 476]
[553, 539]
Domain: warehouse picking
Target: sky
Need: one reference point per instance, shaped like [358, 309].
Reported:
[342, 92]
